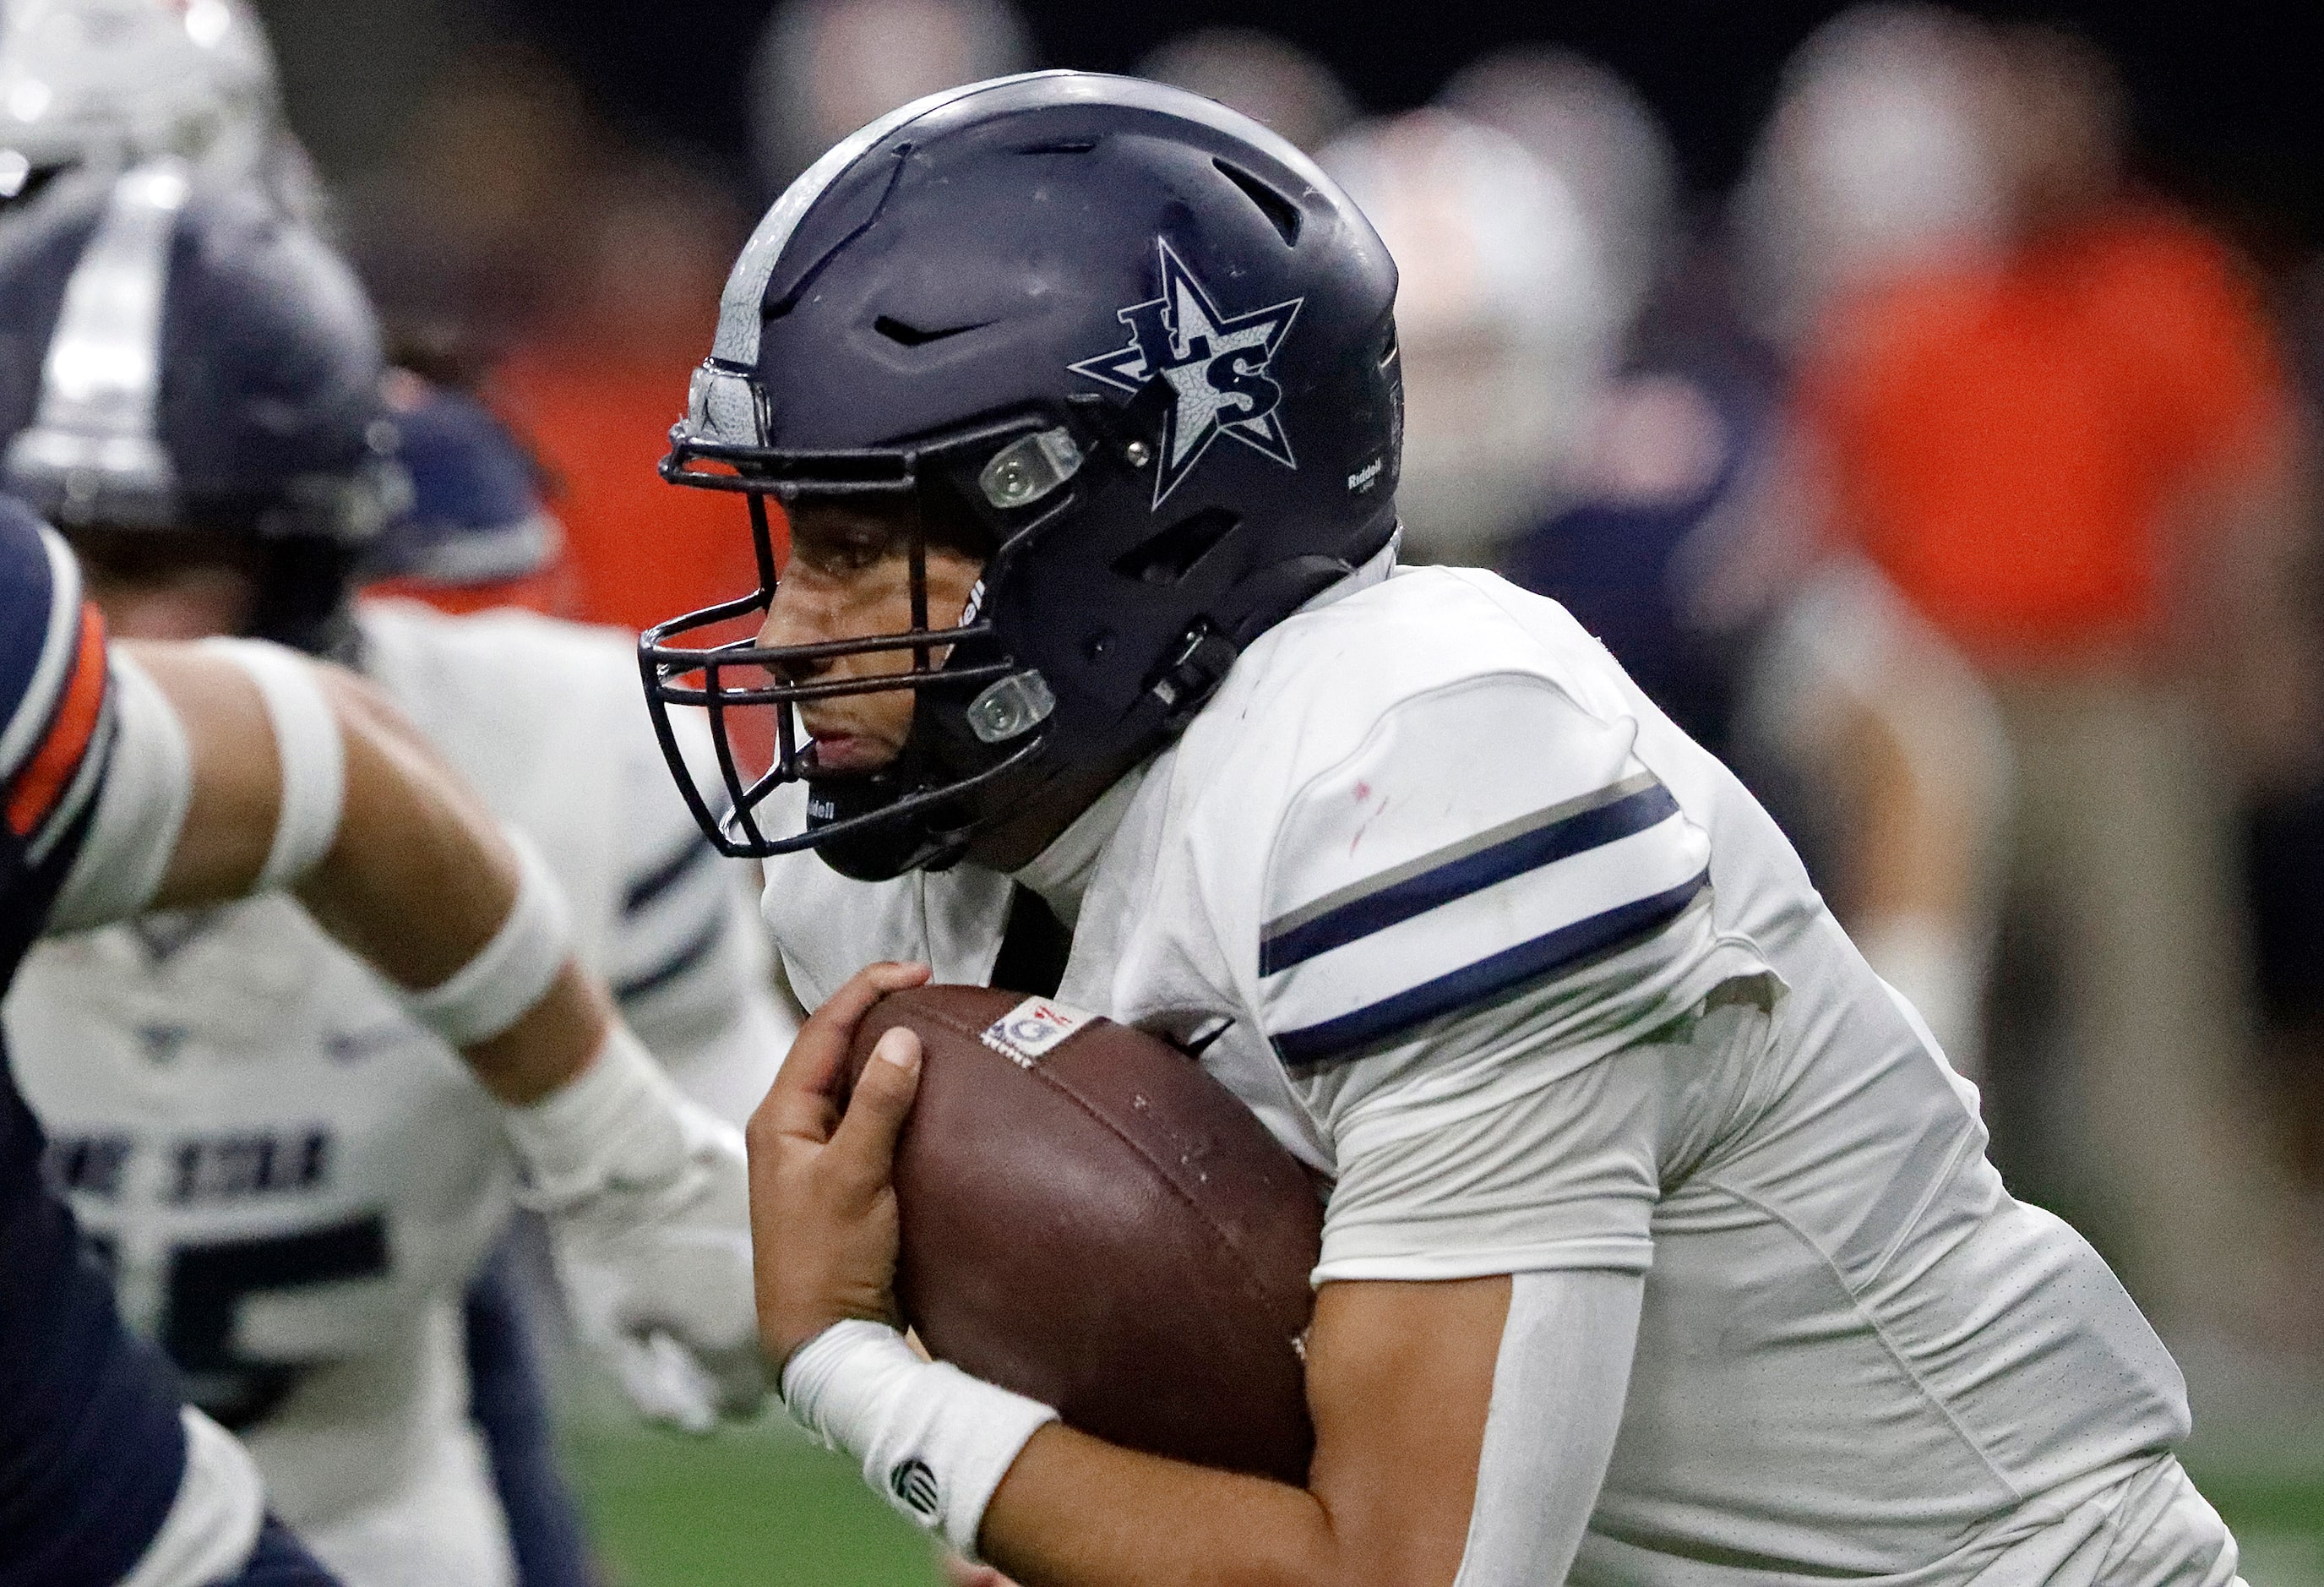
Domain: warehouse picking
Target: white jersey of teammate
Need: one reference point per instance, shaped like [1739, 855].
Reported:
[294, 1181]
[1473, 928]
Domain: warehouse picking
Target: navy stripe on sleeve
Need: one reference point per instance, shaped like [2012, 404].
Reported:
[1353, 1034]
[1527, 843]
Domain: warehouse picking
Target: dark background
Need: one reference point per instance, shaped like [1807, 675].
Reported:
[2227, 98]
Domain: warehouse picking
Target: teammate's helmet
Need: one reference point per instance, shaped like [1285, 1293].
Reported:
[1138, 342]
[477, 519]
[108, 83]
[195, 362]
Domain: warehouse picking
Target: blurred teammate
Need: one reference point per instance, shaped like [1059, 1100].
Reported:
[2073, 456]
[99, 85]
[1647, 1199]
[184, 777]
[1508, 319]
[226, 479]
[95, 84]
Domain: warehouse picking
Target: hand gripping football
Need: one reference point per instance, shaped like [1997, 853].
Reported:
[1090, 1220]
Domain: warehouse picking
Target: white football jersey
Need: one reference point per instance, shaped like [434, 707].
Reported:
[293, 1180]
[1472, 927]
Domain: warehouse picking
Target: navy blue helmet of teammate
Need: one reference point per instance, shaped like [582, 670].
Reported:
[1129, 347]
[182, 365]
[476, 515]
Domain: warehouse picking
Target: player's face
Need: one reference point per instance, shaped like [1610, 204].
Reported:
[159, 585]
[849, 578]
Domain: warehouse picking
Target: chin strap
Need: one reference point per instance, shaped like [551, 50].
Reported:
[1203, 658]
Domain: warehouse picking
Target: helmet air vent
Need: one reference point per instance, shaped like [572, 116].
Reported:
[912, 336]
[1061, 146]
[1281, 213]
[1168, 556]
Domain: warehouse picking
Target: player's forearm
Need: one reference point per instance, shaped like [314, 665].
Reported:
[385, 846]
[1161, 1523]
[421, 879]
[1401, 1379]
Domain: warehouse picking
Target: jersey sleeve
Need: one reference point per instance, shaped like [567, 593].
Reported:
[55, 717]
[1489, 840]
[1472, 925]
[1499, 1163]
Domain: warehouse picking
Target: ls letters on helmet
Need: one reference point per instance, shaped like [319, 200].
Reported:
[1216, 364]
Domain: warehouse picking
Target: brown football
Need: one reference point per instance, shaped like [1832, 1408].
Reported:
[1090, 1220]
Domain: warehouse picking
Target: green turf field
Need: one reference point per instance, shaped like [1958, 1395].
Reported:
[760, 1507]
[765, 1508]
[2281, 1525]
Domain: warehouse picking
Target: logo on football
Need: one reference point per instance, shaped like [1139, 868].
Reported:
[1027, 1032]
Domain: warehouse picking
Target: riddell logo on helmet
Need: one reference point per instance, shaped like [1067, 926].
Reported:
[1216, 365]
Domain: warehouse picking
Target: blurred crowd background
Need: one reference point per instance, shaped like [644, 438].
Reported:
[1922, 403]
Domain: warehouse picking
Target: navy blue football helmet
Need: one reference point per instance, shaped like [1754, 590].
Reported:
[477, 516]
[1140, 342]
[185, 359]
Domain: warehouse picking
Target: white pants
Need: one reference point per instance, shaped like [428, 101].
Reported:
[442, 1527]
[373, 1462]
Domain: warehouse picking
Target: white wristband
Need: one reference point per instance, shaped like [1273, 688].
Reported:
[933, 1442]
[308, 746]
[510, 972]
[619, 1120]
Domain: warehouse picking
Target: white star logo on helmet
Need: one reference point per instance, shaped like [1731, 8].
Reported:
[1216, 365]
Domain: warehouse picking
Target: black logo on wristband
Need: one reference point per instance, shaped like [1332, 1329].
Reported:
[912, 1482]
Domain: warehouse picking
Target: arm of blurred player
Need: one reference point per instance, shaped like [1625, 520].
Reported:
[395, 857]
[1401, 1380]
[416, 879]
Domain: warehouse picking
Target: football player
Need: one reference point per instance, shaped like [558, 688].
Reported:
[184, 776]
[1660, 1245]
[293, 1180]
[97, 86]
[93, 87]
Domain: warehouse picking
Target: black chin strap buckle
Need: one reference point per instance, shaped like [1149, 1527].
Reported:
[1187, 681]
